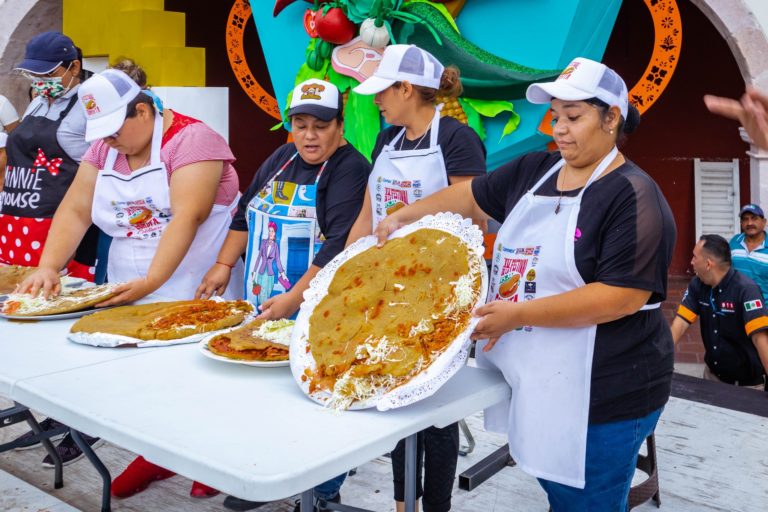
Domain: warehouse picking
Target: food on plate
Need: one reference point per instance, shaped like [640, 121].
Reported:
[389, 313]
[165, 320]
[12, 275]
[260, 340]
[68, 301]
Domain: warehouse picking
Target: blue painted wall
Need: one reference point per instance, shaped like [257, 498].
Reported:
[545, 34]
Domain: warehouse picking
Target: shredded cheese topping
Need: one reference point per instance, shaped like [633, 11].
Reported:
[276, 331]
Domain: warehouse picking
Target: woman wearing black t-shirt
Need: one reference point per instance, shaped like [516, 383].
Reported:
[578, 273]
[311, 189]
[420, 154]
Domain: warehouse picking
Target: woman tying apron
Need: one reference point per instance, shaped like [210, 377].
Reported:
[419, 155]
[165, 189]
[579, 270]
[294, 217]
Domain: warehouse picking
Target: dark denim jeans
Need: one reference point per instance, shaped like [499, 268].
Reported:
[612, 450]
[330, 489]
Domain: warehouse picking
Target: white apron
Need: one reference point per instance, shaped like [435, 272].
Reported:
[283, 236]
[135, 210]
[401, 177]
[548, 369]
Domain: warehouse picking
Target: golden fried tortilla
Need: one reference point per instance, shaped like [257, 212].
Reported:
[68, 301]
[12, 275]
[166, 320]
[390, 311]
[243, 344]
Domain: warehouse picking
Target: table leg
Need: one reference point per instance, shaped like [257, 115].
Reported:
[58, 471]
[410, 473]
[308, 501]
[100, 467]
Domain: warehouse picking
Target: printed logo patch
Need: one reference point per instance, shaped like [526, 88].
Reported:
[89, 103]
[312, 91]
[752, 305]
[567, 72]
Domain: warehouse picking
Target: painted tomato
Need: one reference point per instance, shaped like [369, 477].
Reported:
[334, 26]
[309, 22]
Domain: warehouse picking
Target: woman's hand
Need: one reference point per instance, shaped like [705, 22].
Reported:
[385, 228]
[497, 318]
[214, 282]
[44, 280]
[280, 306]
[130, 292]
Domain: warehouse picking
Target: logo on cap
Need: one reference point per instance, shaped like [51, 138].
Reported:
[567, 72]
[89, 103]
[312, 91]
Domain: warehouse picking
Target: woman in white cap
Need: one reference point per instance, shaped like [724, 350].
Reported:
[420, 154]
[164, 188]
[295, 217]
[579, 271]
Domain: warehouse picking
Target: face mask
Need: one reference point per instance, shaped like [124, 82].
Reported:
[50, 87]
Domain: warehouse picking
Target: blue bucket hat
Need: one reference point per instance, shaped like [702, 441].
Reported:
[46, 51]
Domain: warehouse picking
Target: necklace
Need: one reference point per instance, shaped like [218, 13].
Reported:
[562, 189]
[418, 143]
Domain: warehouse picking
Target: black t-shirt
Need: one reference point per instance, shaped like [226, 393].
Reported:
[340, 192]
[729, 313]
[463, 151]
[627, 239]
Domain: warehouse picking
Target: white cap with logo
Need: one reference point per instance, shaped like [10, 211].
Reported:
[583, 79]
[105, 98]
[316, 98]
[400, 63]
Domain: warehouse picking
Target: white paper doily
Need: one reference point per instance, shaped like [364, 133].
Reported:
[442, 368]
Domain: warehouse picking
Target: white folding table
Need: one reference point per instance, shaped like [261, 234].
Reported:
[247, 431]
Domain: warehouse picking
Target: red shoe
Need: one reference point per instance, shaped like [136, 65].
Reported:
[137, 477]
[202, 491]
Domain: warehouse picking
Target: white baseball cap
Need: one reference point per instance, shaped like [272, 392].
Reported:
[317, 98]
[105, 98]
[583, 79]
[403, 62]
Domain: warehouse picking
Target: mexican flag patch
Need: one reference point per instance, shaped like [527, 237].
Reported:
[753, 304]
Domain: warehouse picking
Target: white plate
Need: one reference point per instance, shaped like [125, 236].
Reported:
[203, 347]
[450, 361]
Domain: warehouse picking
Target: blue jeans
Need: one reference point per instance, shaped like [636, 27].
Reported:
[612, 450]
[330, 489]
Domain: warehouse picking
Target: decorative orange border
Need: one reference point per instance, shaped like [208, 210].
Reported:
[668, 39]
[239, 15]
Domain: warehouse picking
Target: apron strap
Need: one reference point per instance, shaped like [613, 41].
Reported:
[604, 163]
[72, 103]
[434, 128]
[157, 140]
